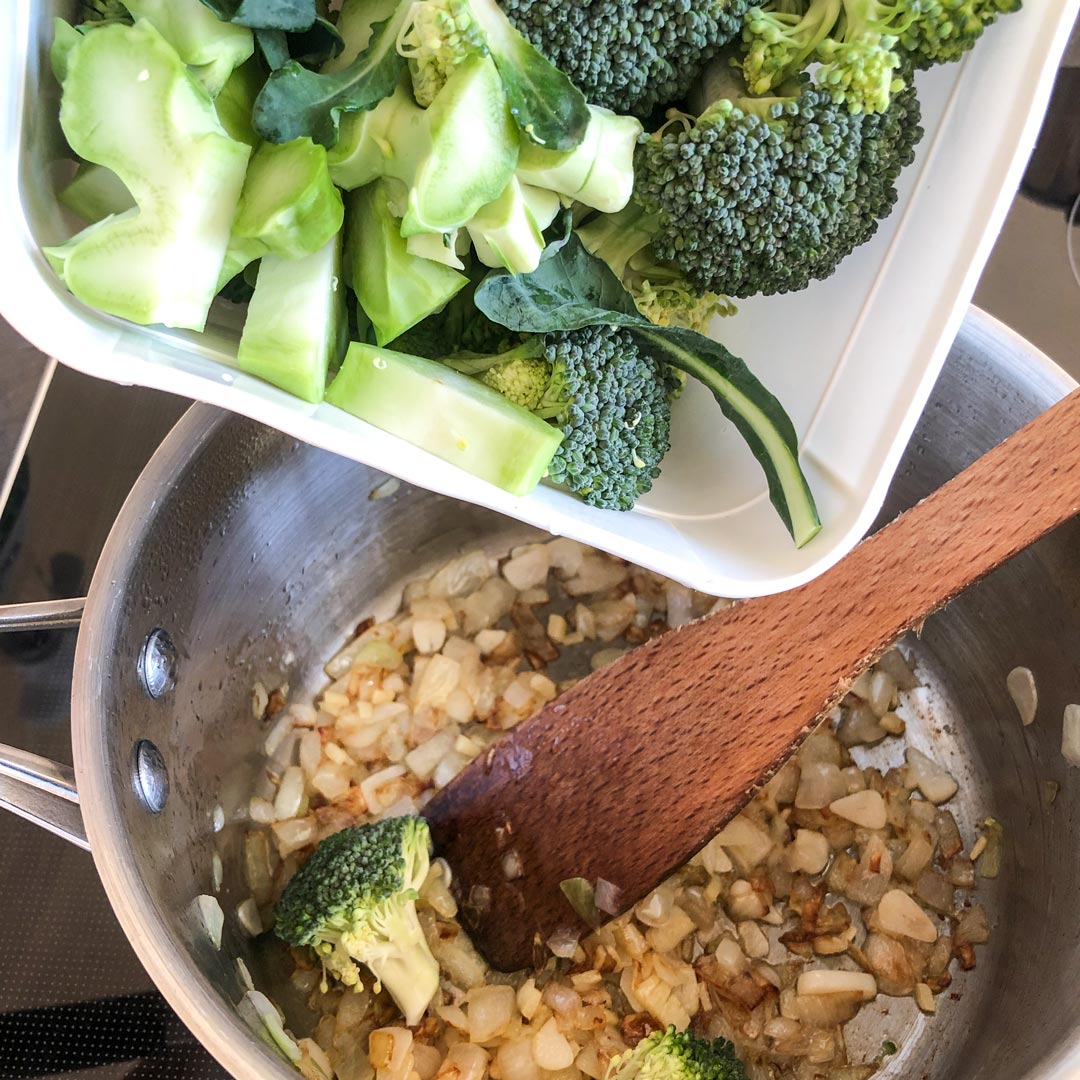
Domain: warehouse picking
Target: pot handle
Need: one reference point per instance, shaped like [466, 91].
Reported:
[35, 788]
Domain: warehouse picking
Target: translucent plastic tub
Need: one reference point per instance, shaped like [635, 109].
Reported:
[853, 358]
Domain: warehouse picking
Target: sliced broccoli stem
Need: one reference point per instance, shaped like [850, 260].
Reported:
[448, 414]
[167, 146]
[289, 202]
[404, 966]
[599, 172]
[214, 49]
[395, 288]
[617, 238]
[292, 331]
[95, 193]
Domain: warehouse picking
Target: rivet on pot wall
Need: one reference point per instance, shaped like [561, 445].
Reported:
[149, 779]
[157, 663]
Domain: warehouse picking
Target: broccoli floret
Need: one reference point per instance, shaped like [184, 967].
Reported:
[354, 902]
[523, 381]
[611, 401]
[436, 38]
[862, 46]
[945, 29]
[859, 60]
[677, 1055]
[629, 55]
[765, 195]
[660, 290]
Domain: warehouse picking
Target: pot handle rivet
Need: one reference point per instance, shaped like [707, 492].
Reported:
[157, 663]
[149, 780]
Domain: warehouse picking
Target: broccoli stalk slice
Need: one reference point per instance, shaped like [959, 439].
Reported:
[599, 172]
[288, 202]
[396, 289]
[168, 148]
[506, 233]
[447, 414]
[212, 48]
[422, 148]
[95, 193]
[292, 333]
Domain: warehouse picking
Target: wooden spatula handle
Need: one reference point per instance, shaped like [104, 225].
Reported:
[632, 770]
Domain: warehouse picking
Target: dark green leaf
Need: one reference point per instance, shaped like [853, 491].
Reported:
[558, 233]
[572, 289]
[265, 14]
[311, 47]
[569, 289]
[545, 104]
[296, 102]
[274, 45]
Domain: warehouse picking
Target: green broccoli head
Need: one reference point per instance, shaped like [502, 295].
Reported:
[354, 902]
[944, 30]
[629, 55]
[765, 195]
[613, 404]
[611, 401]
[677, 1055]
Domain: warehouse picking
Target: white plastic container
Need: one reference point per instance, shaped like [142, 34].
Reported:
[852, 358]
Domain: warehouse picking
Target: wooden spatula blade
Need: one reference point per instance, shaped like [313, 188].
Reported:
[632, 770]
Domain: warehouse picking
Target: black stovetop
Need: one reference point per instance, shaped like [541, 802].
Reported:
[74, 1000]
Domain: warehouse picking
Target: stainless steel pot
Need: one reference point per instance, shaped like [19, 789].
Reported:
[242, 555]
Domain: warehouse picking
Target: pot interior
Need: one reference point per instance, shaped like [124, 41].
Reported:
[257, 556]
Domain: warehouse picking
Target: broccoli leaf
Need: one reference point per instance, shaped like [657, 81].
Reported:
[571, 289]
[274, 45]
[550, 110]
[265, 14]
[311, 47]
[296, 102]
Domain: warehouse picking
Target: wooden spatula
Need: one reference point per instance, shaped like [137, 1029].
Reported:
[631, 771]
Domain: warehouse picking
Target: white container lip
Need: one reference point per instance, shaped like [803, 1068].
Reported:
[853, 359]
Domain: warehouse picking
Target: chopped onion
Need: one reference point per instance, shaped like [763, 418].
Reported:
[212, 918]
[820, 783]
[1070, 735]
[745, 841]
[936, 785]
[490, 1011]
[563, 943]
[247, 914]
[217, 872]
[290, 794]
[550, 1049]
[529, 567]
[1021, 686]
[865, 808]
[369, 788]
[828, 981]
[515, 1060]
[898, 914]
[608, 897]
